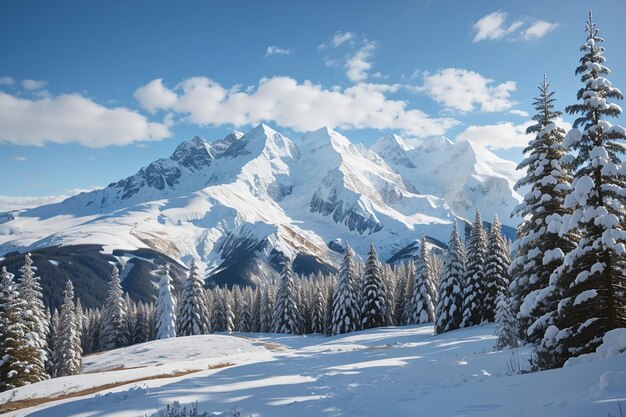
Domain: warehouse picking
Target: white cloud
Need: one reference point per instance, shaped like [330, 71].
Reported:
[503, 135]
[538, 30]
[299, 106]
[154, 96]
[494, 26]
[517, 112]
[7, 81]
[358, 64]
[10, 202]
[339, 39]
[71, 118]
[276, 50]
[32, 85]
[464, 90]
[19, 158]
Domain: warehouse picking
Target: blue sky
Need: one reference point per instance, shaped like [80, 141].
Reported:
[92, 91]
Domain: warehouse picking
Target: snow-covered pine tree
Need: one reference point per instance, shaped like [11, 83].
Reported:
[55, 322]
[82, 323]
[131, 319]
[236, 299]
[390, 287]
[474, 291]
[506, 328]
[245, 312]
[422, 304]
[287, 318]
[496, 271]
[221, 316]
[21, 361]
[256, 310]
[93, 332]
[329, 288]
[165, 306]
[408, 305]
[267, 308]
[449, 311]
[593, 276]
[34, 317]
[318, 308]
[539, 246]
[194, 317]
[374, 307]
[112, 331]
[346, 312]
[67, 350]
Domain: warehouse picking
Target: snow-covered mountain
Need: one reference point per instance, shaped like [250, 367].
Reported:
[238, 204]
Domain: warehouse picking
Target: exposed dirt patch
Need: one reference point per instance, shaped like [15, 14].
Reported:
[221, 365]
[31, 402]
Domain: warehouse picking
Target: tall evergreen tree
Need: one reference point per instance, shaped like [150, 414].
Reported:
[496, 271]
[267, 308]
[423, 310]
[165, 306]
[113, 329]
[374, 307]
[67, 350]
[474, 291]
[194, 317]
[449, 311]
[346, 310]
[505, 323]
[593, 276]
[34, 316]
[287, 318]
[539, 246]
[21, 361]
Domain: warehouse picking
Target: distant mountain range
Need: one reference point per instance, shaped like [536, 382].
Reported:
[237, 205]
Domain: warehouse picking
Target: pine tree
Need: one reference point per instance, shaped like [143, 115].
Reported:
[34, 316]
[113, 329]
[423, 310]
[166, 306]
[474, 291]
[287, 318]
[267, 308]
[93, 332]
[256, 310]
[55, 324]
[346, 310]
[318, 309]
[245, 312]
[449, 312]
[67, 350]
[374, 307]
[194, 317]
[496, 271]
[539, 246]
[21, 362]
[593, 276]
[505, 323]
[221, 316]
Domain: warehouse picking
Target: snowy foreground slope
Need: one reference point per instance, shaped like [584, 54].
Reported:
[384, 372]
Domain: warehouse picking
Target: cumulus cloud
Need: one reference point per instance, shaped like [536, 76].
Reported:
[7, 81]
[503, 135]
[538, 30]
[494, 26]
[154, 96]
[276, 50]
[358, 64]
[19, 158]
[71, 118]
[10, 202]
[464, 90]
[520, 113]
[33, 85]
[299, 106]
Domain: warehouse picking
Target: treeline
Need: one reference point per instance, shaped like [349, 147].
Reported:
[38, 344]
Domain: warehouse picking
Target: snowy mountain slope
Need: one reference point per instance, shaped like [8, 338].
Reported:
[238, 204]
[465, 174]
[402, 371]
